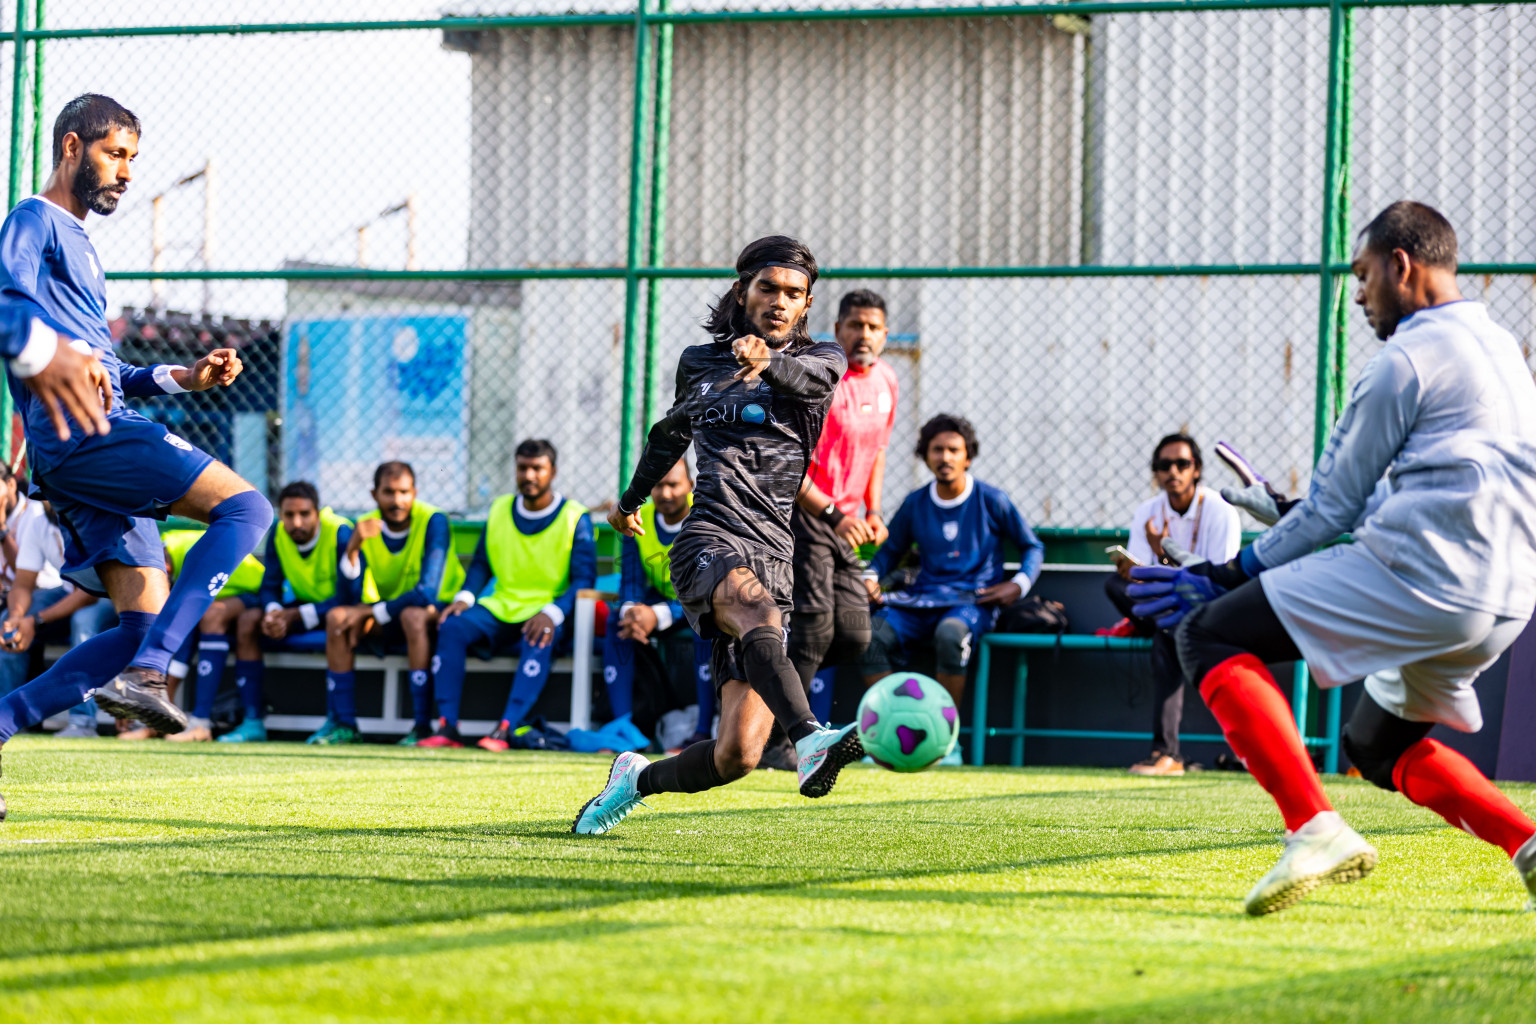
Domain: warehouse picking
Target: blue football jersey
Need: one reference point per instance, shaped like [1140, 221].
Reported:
[49, 268]
[959, 544]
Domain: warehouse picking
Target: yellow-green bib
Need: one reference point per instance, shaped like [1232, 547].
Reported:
[531, 569]
[394, 573]
[246, 579]
[312, 576]
[654, 554]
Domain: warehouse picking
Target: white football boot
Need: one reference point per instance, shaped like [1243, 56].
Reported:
[1321, 851]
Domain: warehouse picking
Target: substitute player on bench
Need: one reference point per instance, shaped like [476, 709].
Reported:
[298, 589]
[539, 550]
[400, 564]
[752, 401]
[1432, 467]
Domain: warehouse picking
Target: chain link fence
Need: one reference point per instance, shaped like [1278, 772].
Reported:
[434, 231]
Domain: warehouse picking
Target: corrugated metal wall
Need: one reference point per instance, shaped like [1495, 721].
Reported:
[1152, 139]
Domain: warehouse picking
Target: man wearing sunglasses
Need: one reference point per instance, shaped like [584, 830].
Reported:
[1198, 519]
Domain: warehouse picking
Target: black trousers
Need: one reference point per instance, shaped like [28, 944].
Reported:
[1167, 675]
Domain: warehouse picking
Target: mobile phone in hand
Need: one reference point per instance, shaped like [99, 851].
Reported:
[1117, 553]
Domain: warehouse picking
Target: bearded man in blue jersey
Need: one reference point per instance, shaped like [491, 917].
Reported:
[958, 525]
[108, 488]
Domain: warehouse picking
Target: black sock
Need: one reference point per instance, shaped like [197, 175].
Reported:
[775, 680]
[692, 771]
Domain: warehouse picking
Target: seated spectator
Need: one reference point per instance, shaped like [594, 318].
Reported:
[401, 557]
[43, 605]
[17, 511]
[1203, 523]
[298, 589]
[648, 608]
[958, 525]
[211, 640]
[538, 550]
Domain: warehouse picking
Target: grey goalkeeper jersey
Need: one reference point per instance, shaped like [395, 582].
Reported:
[1443, 418]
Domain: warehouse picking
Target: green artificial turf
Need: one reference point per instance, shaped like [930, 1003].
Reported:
[276, 882]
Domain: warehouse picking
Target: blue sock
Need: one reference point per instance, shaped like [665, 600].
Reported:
[75, 675]
[704, 687]
[453, 640]
[235, 526]
[527, 683]
[821, 694]
[619, 674]
[342, 687]
[421, 697]
[249, 677]
[212, 656]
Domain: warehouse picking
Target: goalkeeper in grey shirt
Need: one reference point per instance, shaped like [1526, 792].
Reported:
[752, 403]
[1433, 468]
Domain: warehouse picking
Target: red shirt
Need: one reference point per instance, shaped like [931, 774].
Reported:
[858, 428]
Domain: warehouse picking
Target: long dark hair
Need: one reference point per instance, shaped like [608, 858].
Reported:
[727, 318]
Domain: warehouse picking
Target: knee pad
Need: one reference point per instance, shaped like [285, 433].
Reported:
[1375, 740]
[762, 649]
[952, 647]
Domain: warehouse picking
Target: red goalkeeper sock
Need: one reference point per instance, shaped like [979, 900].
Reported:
[1433, 775]
[1258, 724]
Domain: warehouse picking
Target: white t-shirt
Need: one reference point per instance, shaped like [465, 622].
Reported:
[1209, 527]
[39, 547]
[21, 522]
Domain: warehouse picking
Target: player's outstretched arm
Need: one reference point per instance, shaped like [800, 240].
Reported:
[668, 440]
[1380, 414]
[218, 368]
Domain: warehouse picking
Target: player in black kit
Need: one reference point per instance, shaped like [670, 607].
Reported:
[752, 402]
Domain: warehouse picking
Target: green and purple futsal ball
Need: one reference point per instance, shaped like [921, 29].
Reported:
[907, 722]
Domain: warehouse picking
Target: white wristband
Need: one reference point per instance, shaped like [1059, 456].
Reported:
[42, 343]
[1024, 582]
[310, 615]
[663, 616]
[381, 613]
[166, 381]
[351, 566]
[556, 615]
[464, 598]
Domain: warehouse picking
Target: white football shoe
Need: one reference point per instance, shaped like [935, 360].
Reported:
[1525, 864]
[1321, 851]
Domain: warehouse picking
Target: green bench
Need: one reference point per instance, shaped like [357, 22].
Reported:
[979, 731]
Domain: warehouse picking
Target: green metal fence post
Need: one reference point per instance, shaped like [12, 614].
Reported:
[629, 405]
[1330, 341]
[37, 102]
[661, 129]
[18, 91]
[18, 81]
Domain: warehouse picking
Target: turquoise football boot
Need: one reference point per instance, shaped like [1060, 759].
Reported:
[620, 796]
[252, 730]
[823, 754]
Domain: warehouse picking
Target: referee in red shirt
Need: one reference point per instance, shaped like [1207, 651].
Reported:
[830, 625]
